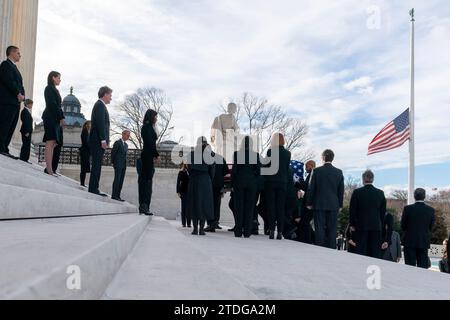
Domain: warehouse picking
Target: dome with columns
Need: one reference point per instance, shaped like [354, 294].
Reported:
[72, 110]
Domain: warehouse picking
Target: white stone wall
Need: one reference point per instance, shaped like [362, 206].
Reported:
[165, 202]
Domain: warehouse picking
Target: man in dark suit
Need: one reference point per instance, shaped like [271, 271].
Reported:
[218, 184]
[306, 215]
[417, 223]
[12, 94]
[367, 214]
[326, 198]
[99, 137]
[26, 130]
[119, 160]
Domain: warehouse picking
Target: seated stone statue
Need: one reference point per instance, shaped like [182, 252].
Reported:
[224, 133]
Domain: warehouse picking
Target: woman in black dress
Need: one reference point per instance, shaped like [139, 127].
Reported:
[245, 175]
[53, 117]
[149, 156]
[200, 189]
[85, 153]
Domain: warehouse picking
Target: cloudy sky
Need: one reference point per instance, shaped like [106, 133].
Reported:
[342, 66]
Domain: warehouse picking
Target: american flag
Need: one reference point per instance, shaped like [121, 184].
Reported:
[394, 135]
[299, 171]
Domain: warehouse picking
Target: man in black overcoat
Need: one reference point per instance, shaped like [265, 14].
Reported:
[417, 224]
[99, 137]
[326, 198]
[367, 214]
[12, 94]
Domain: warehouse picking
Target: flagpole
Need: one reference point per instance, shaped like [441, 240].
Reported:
[412, 160]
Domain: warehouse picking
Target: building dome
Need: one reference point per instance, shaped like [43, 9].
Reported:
[72, 110]
[71, 104]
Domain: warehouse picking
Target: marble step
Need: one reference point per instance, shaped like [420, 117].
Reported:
[169, 263]
[164, 266]
[49, 184]
[24, 203]
[33, 169]
[288, 270]
[36, 255]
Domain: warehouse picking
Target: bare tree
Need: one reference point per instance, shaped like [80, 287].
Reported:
[351, 184]
[132, 111]
[401, 195]
[256, 116]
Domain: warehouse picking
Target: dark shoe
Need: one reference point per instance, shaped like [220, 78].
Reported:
[118, 199]
[195, 232]
[232, 230]
[218, 227]
[149, 214]
[184, 226]
[202, 233]
[102, 195]
[189, 226]
[210, 229]
[272, 235]
[247, 236]
[279, 236]
[238, 235]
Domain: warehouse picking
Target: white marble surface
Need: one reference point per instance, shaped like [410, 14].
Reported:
[35, 255]
[171, 264]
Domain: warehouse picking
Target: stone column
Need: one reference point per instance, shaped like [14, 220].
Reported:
[18, 27]
[5, 26]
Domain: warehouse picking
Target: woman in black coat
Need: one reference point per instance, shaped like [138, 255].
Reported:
[200, 189]
[149, 156]
[85, 153]
[53, 117]
[245, 175]
[276, 185]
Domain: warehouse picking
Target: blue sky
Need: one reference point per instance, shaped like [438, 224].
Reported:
[341, 66]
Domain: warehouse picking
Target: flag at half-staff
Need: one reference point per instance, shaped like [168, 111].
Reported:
[393, 135]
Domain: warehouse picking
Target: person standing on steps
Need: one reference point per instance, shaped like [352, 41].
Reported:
[306, 215]
[119, 155]
[149, 156]
[200, 189]
[367, 216]
[99, 137]
[12, 94]
[417, 223]
[392, 245]
[53, 118]
[326, 197]
[85, 153]
[276, 185]
[220, 172]
[245, 175]
[26, 130]
[182, 191]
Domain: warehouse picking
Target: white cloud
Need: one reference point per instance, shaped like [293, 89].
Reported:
[362, 85]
